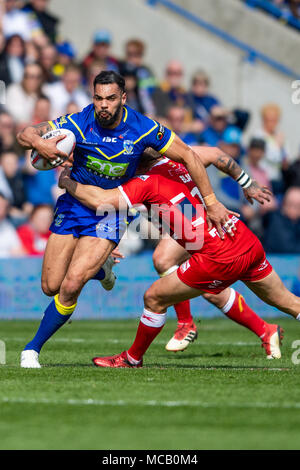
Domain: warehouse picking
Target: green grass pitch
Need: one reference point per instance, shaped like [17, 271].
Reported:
[221, 393]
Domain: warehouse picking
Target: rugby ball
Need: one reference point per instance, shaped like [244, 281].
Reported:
[66, 145]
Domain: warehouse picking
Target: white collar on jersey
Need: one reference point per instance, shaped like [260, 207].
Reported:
[164, 160]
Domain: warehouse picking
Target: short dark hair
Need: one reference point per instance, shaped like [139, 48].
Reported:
[109, 76]
[257, 143]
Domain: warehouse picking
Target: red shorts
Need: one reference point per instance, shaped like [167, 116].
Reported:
[205, 273]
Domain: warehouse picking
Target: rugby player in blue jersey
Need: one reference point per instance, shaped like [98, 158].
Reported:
[110, 139]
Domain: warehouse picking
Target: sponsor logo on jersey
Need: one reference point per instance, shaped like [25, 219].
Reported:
[128, 147]
[215, 284]
[105, 168]
[263, 265]
[62, 121]
[160, 132]
[121, 136]
[103, 228]
[143, 177]
[185, 266]
[58, 220]
[109, 139]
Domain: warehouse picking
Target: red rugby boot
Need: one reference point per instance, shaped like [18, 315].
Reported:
[117, 361]
[272, 340]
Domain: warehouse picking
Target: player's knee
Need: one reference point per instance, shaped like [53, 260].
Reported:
[48, 289]
[71, 285]
[161, 261]
[152, 301]
[214, 299]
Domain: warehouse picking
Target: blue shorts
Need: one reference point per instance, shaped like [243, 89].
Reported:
[71, 217]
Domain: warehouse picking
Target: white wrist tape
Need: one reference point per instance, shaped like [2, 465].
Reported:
[244, 180]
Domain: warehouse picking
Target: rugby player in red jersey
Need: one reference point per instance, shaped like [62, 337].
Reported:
[168, 254]
[213, 266]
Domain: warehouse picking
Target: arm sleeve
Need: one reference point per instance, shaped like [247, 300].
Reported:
[139, 190]
[70, 122]
[160, 138]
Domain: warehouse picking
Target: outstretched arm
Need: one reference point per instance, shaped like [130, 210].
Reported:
[92, 196]
[226, 164]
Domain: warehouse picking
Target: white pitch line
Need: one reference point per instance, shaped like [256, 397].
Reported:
[156, 403]
[119, 341]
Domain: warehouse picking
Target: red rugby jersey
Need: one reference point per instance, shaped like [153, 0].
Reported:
[169, 189]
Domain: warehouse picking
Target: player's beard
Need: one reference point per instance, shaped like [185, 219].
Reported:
[111, 118]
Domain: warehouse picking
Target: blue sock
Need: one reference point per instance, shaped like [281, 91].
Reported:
[54, 317]
[99, 275]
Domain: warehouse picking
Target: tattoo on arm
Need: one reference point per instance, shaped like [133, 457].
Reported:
[228, 165]
[42, 128]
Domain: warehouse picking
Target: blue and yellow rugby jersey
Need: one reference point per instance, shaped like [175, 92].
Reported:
[109, 157]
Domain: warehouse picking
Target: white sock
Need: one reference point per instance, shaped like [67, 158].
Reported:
[133, 361]
[298, 317]
[155, 320]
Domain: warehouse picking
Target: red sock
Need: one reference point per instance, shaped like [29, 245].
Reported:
[183, 312]
[149, 327]
[237, 310]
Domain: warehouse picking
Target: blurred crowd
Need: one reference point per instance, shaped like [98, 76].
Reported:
[45, 79]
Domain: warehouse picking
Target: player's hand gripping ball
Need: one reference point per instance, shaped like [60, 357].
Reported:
[65, 145]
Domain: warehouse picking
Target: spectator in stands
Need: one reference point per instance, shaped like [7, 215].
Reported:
[42, 109]
[101, 51]
[12, 60]
[134, 62]
[65, 57]
[19, 22]
[12, 186]
[32, 54]
[171, 91]
[276, 154]
[93, 69]
[292, 174]
[282, 229]
[10, 244]
[218, 123]
[21, 97]
[48, 60]
[73, 108]
[201, 101]
[176, 117]
[227, 191]
[132, 91]
[35, 233]
[133, 65]
[252, 164]
[255, 154]
[8, 132]
[293, 7]
[67, 90]
[37, 9]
